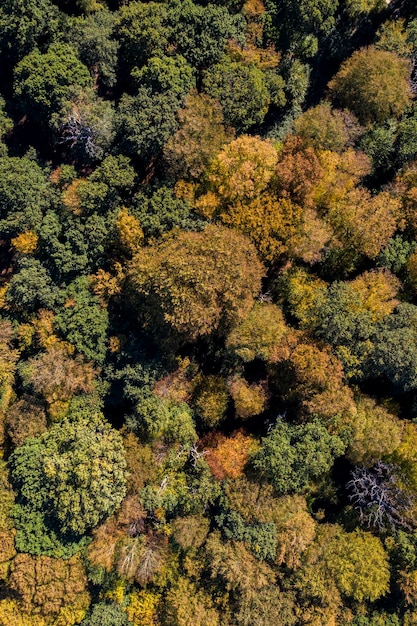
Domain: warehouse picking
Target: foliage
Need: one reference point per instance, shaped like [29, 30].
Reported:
[324, 128]
[73, 474]
[25, 194]
[373, 84]
[198, 282]
[48, 586]
[103, 614]
[199, 138]
[208, 281]
[92, 37]
[242, 90]
[291, 456]
[82, 320]
[43, 81]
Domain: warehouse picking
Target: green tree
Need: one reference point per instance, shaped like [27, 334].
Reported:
[25, 24]
[105, 614]
[74, 474]
[170, 75]
[291, 456]
[31, 287]
[92, 37]
[142, 30]
[202, 32]
[242, 90]
[145, 122]
[25, 193]
[43, 81]
[299, 26]
[160, 210]
[394, 353]
[83, 321]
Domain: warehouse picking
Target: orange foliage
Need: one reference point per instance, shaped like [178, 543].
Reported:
[298, 171]
[228, 455]
[46, 585]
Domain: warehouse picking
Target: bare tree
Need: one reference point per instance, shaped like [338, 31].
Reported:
[380, 497]
[76, 132]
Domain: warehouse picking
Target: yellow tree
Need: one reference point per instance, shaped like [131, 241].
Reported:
[373, 84]
[197, 282]
[365, 222]
[243, 169]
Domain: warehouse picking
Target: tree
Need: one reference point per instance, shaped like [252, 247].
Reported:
[25, 419]
[375, 433]
[249, 400]
[25, 194]
[74, 474]
[394, 354]
[197, 283]
[324, 128]
[105, 614]
[8, 360]
[92, 36]
[348, 318]
[157, 418]
[242, 169]
[202, 32]
[242, 90]
[299, 26]
[298, 172]
[365, 222]
[142, 30]
[263, 334]
[86, 125]
[200, 136]
[146, 121]
[227, 456]
[25, 24]
[83, 321]
[211, 399]
[161, 210]
[31, 287]
[379, 495]
[57, 377]
[353, 564]
[164, 74]
[43, 81]
[50, 587]
[188, 605]
[236, 569]
[373, 84]
[291, 456]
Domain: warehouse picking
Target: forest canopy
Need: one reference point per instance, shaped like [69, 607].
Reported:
[208, 313]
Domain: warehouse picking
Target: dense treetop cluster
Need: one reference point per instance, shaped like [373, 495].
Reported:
[208, 313]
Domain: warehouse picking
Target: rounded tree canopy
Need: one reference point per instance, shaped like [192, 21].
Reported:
[198, 282]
